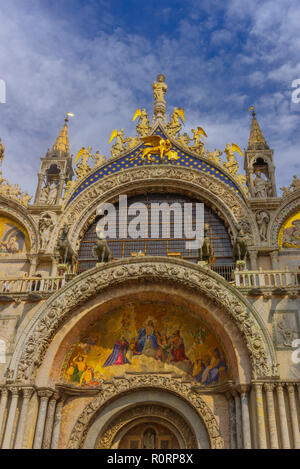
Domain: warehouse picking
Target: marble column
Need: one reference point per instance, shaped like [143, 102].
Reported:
[245, 417]
[3, 405]
[11, 418]
[253, 260]
[232, 419]
[283, 419]
[238, 419]
[293, 407]
[261, 428]
[38, 191]
[50, 421]
[57, 422]
[274, 260]
[44, 395]
[269, 388]
[27, 393]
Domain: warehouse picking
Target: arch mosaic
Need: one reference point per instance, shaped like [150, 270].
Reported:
[80, 213]
[37, 336]
[16, 212]
[120, 386]
[149, 411]
[290, 206]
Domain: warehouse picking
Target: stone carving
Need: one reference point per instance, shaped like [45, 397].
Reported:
[46, 226]
[260, 186]
[49, 193]
[124, 385]
[262, 219]
[294, 186]
[60, 306]
[13, 192]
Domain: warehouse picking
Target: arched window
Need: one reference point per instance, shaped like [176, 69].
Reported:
[166, 244]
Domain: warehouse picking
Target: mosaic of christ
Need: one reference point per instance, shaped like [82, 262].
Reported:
[146, 337]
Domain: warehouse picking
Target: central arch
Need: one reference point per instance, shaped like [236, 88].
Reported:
[142, 274]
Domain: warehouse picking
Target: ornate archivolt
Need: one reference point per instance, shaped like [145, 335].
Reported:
[229, 205]
[148, 412]
[290, 205]
[36, 337]
[139, 382]
[15, 211]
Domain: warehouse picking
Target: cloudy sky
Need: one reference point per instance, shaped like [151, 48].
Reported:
[99, 58]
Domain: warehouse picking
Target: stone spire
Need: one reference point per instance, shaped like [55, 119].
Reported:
[61, 147]
[257, 140]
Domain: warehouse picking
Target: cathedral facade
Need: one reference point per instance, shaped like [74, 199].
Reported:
[143, 339]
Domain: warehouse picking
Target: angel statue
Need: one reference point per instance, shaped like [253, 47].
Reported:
[183, 139]
[98, 159]
[232, 164]
[174, 126]
[214, 156]
[143, 126]
[155, 145]
[160, 88]
[120, 144]
[2, 149]
[83, 167]
[198, 145]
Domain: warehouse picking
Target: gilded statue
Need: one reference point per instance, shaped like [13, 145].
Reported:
[121, 142]
[83, 167]
[98, 159]
[174, 126]
[133, 141]
[294, 186]
[214, 156]
[183, 139]
[2, 150]
[143, 126]
[232, 165]
[198, 145]
[160, 88]
[155, 145]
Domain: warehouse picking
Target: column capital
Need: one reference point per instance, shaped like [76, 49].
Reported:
[290, 388]
[269, 387]
[44, 393]
[279, 387]
[27, 392]
[4, 391]
[14, 390]
[243, 388]
[56, 395]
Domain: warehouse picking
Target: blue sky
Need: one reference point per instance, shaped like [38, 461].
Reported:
[98, 59]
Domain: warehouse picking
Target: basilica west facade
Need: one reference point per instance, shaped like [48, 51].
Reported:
[147, 342]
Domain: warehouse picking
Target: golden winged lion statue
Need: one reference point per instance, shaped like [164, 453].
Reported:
[156, 145]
